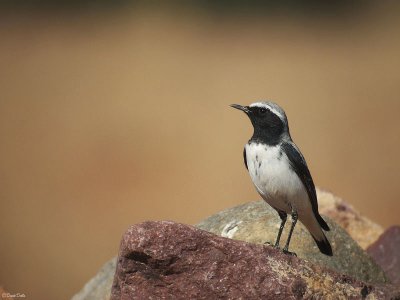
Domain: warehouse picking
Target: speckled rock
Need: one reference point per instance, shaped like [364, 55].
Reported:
[99, 287]
[167, 260]
[386, 252]
[360, 228]
[256, 222]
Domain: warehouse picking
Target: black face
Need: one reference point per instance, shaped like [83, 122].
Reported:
[268, 127]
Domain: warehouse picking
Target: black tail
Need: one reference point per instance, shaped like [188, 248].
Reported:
[322, 223]
[324, 246]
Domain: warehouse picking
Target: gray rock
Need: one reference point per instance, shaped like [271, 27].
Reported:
[256, 222]
[99, 287]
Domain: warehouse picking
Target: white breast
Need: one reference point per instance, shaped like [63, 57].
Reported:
[273, 178]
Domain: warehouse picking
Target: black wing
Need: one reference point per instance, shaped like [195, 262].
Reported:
[299, 165]
[244, 158]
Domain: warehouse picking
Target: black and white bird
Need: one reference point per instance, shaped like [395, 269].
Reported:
[280, 174]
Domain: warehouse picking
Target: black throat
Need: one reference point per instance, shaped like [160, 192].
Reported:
[269, 134]
[266, 136]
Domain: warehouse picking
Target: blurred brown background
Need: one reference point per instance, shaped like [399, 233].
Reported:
[114, 115]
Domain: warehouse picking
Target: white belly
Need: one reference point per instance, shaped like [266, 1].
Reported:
[274, 180]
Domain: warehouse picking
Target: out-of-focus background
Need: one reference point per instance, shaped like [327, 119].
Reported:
[112, 114]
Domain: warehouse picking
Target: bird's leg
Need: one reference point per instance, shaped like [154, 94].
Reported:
[294, 220]
[283, 216]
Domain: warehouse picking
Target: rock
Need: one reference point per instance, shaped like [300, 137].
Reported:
[99, 287]
[386, 252]
[166, 260]
[256, 222]
[361, 229]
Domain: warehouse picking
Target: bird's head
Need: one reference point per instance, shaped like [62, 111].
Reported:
[269, 121]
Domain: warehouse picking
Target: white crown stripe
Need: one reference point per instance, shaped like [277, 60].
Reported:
[268, 106]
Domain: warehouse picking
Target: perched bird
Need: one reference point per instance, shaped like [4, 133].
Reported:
[280, 173]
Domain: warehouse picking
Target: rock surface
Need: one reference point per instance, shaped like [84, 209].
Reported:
[166, 260]
[386, 252]
[256, 222]
[361, 229]
[99, 287]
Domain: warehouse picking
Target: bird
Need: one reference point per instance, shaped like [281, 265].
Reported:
[280, 173]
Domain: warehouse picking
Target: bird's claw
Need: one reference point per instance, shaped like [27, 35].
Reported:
[272, 245]
[289, 253]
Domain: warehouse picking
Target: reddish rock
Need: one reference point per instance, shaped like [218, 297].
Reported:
[166, 260]
[386, 252]
[360, 228]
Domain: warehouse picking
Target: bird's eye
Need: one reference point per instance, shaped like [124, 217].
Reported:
[263, 110]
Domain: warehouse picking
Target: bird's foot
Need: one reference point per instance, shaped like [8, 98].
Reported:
[272, 245]
[289, 253]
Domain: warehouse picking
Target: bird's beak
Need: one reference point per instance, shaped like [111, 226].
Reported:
[240, 107]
